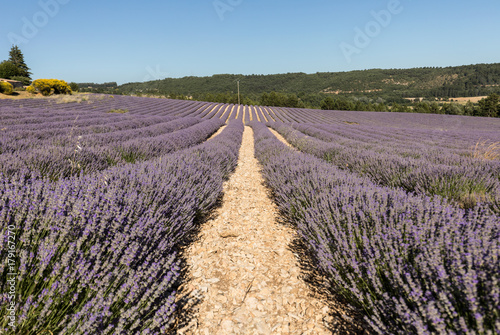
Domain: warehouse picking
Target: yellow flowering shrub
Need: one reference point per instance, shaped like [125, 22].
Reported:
[6, 88]
[51, 86]
[31, 89]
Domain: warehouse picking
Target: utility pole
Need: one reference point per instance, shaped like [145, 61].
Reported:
[238, 91]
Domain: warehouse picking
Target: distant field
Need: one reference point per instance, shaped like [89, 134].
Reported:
[460, 100]
[464, 100]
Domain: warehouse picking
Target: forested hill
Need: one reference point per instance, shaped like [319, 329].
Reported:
[389, 84]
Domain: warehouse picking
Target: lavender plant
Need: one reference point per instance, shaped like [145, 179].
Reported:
[412, 264]
[462, 179]
[105, 151]
[98, 254]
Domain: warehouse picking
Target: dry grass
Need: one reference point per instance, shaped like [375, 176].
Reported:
[17, 95]
[486, 150]
[64, 99]
[118, 111]
[75, 97]
[472, 199]
[464, 100]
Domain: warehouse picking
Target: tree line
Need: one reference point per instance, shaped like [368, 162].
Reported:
[391, 85]
[489, 106]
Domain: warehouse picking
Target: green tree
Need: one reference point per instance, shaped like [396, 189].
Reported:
[16, 57]
[452, 109]
[490, 106]
[469, 108]
[434, 108]
[422, 107]
[380, 107]
[74, 87]
[400, 108]
[344, 105]
[328, 103]
[8, 70]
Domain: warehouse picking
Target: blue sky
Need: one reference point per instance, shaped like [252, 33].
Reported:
[127, 41]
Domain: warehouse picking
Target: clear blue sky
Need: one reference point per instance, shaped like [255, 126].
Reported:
[126, 41]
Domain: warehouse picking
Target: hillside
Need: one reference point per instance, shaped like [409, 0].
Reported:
[389, 84]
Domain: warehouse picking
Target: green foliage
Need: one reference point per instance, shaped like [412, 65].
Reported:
[6, 88]
[350, 104]
[452, 109]
[328, 104]
[51, 86]
[74, 87]
[227, 98]
[8, 70]
[281, 100]
[490, 106]
[98, 88]
[16, 57]
[422, 107]
[118, 111]
[393, 85]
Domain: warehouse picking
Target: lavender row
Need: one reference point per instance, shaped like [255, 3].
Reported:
[63, 134]
[373, 126]
[98, 254]
[443, 123]
[112, 133]
[37, 119]
[420, 148]
[467, 184]
[18, 116]
[106, 103]
[143, 132]
[59, 162]
[459, 141]
[412, 264]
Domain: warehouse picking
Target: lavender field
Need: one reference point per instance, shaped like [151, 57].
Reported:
[400, 212]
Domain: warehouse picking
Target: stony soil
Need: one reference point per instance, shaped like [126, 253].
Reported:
[243, 276]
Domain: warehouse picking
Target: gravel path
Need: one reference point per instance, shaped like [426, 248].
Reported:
[242, 271]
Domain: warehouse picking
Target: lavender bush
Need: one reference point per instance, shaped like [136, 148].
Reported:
[94, 153]
[413, 264]
[98, 253]
[466, 180]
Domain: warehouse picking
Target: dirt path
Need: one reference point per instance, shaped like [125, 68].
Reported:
[241, 268]
[217, 133]
[281, 138]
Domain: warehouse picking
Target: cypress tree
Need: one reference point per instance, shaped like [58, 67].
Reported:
[17, 58]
